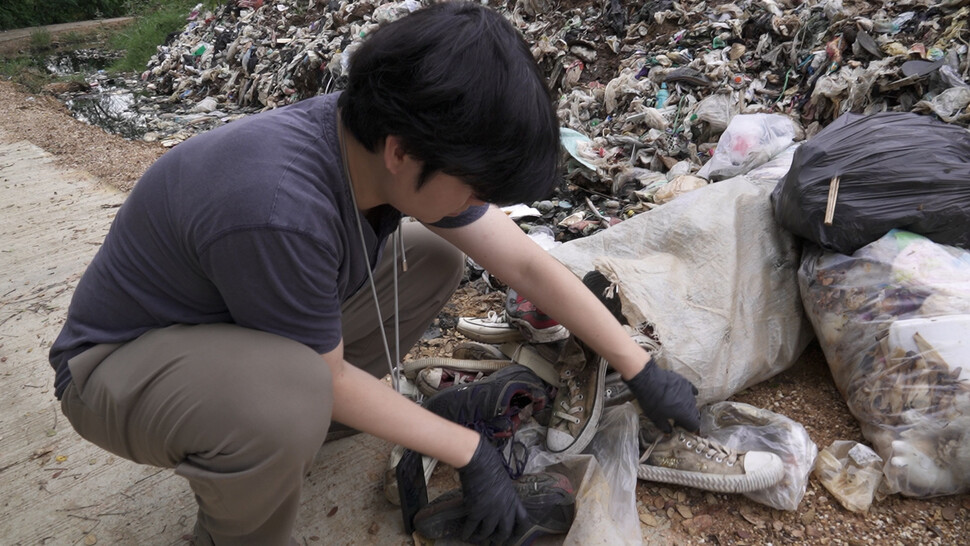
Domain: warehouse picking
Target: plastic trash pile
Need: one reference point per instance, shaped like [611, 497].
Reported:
[648, 88]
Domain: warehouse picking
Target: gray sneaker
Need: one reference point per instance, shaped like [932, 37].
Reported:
[684, 458]
[579, 401]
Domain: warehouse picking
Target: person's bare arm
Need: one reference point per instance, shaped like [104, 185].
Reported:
[498, 245]
[365, 403]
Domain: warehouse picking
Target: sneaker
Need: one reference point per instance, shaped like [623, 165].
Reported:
[535, 325]
[431, 381]
[605, 290]
[548, 497]
[473, 350]
[579, 402]
[521, 321]
[391, 489]
[683, 458]
[494, 328]
[412, 368]
[616, 392]
[495, 406]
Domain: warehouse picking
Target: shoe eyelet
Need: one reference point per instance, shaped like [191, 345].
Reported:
[708, 455]
[730, 463]
[719, 459]
[580, 397]
[690, 444]
[698, 450]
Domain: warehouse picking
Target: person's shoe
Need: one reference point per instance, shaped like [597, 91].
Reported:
[684, 458]
[391, 490]
[494, 406]
[579, 402]
[535, 325]
[548, 497]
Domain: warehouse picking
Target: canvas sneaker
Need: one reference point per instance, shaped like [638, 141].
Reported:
[548, 497]
[493, 328]
[520, 321]
[535, 325]
[579, 401]
[684, 458]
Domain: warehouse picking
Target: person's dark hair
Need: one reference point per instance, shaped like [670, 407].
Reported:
[458, 84]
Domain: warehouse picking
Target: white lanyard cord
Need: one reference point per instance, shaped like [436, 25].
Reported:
[394, 370]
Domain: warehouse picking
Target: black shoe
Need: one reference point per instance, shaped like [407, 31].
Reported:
[495, 407]
[548, 497]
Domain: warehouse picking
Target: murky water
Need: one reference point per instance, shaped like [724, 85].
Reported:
[110, 104]
[113, 109]
[80, 61]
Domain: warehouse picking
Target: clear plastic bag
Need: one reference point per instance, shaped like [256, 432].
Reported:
[894, 321]
[604, 475]
[744, 427]
[749, 141]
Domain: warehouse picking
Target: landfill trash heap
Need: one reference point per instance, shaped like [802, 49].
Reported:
[651, 85]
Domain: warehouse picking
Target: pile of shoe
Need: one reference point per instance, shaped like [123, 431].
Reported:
[495, 389]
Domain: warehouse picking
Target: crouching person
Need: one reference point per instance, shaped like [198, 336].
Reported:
[228, 322]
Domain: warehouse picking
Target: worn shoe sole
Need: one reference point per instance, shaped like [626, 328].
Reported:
[412, 367]
[391, 492]
[558, 441]
[548, 498]
[761, 470]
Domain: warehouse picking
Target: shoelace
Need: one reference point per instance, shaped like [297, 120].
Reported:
[496, 318]
[574, 404]
[517, 457]
[709, 448]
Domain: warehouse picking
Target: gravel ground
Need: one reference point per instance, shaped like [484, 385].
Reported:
[805, 392]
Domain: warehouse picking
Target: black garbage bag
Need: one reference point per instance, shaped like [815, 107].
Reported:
[896, 171]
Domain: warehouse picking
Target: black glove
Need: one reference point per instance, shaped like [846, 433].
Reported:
[664, 395]
[492, 507]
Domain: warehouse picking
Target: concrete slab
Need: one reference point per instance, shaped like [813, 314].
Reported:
[55, 488]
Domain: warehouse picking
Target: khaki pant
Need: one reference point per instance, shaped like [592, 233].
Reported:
[241, 413]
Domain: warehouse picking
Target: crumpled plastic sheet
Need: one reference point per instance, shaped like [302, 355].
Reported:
[893, 320]
[851, 472]
[744, 427]
[604, 476]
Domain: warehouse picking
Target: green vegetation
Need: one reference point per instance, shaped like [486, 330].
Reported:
[139, 40]
[32, 13]
[154, 21]
[40, 40]
[27, 71]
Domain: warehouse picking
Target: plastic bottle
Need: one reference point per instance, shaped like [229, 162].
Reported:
[662, 95]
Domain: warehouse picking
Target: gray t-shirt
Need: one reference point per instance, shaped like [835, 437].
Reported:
[251, 223]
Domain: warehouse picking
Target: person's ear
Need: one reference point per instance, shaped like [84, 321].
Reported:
[394, 155]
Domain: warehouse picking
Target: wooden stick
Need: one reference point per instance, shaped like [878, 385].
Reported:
[833, 195]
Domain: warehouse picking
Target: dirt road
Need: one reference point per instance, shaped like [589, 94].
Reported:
[14, 40]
